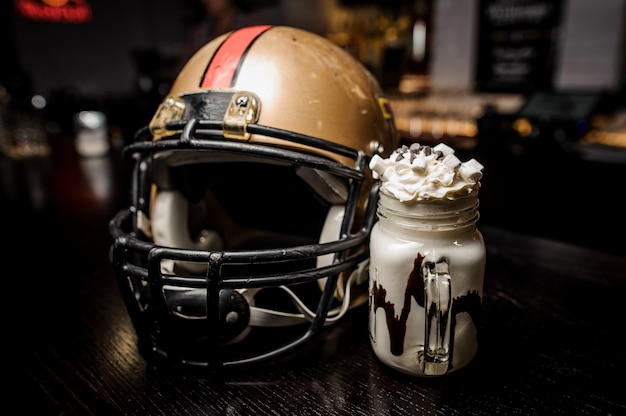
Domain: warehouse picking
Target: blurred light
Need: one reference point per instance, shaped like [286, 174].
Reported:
[56, 11]
[145, 83]
[38, 101]
[523, 126]
[91, 130]
[419, 41]
[91, 119]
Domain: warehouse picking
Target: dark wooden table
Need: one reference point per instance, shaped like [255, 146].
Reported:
[551, 333]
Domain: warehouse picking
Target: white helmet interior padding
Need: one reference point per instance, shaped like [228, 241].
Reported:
[326, 185]
[170, 228]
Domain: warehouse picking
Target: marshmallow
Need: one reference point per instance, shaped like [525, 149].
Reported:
[419, 172]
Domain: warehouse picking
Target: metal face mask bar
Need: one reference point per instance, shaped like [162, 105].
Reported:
[138, 262]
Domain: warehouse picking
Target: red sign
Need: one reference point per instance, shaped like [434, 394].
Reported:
[56, 11]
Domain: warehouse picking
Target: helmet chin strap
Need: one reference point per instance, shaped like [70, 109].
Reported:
[270, 318]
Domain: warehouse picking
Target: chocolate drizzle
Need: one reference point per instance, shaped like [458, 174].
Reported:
[396, 325]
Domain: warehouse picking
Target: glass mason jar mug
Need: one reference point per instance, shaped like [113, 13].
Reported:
[427, 262]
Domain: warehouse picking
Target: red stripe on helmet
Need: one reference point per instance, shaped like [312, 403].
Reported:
[221, 70]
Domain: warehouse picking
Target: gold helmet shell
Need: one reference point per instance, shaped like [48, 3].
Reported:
[301, 82]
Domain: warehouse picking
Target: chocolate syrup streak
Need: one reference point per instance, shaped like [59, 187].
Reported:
[396, 325]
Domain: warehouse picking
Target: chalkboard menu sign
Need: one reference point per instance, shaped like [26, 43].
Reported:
[517, 45]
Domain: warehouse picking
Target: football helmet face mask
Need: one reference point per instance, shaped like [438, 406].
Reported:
[251, 201]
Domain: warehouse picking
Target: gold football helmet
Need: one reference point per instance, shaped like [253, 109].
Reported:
[251, 200]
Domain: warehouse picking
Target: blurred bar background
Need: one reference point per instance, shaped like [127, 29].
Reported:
[533, 89]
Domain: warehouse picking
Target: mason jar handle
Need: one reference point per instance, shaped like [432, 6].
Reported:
[434, 359]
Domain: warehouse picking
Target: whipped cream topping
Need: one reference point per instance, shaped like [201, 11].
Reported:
[419, 173]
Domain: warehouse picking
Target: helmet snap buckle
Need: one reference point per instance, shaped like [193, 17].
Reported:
[242, 110]
[171, 109]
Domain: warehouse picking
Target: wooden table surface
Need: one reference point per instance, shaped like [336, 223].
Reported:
[550, 340]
